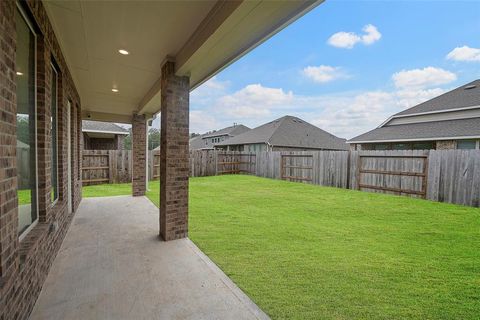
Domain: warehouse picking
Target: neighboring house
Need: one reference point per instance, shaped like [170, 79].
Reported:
[209, 140]
[284, 134]
[99, 135]
[449, 121]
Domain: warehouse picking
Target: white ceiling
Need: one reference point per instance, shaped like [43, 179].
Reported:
[91, 33]
[204, 36]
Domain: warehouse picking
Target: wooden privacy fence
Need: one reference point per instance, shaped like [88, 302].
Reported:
[401, 174]
[440, 175]
[106, 166]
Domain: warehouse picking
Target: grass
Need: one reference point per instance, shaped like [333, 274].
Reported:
[24, 196]
[309, 252]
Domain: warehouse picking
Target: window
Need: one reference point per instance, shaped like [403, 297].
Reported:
[423, 146]
[401, 146]
[54, 111]
[466, 144]
[26, 125]
[381, 146]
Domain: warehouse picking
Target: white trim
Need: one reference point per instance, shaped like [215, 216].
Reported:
[105, 131]
[417, 139]
[427, 112]
[23, 234]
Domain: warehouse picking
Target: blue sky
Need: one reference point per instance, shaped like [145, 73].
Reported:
[346, 66]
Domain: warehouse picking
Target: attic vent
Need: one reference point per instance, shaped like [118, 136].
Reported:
[470, 87]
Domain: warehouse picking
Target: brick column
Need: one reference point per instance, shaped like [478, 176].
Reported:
[44, 132]
[174, 154]
[139, 155]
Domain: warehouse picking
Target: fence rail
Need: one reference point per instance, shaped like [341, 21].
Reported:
[440, 175]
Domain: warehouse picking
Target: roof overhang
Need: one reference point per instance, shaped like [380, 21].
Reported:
[203, 37]
[425, 113]
[105, 131]
[416, 139]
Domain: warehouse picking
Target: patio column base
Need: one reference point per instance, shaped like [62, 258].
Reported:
[139, 155]
[174, 154]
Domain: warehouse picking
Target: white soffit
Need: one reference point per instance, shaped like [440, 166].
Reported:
[203, 37]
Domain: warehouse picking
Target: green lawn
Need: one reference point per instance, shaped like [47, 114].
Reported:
[309, 252]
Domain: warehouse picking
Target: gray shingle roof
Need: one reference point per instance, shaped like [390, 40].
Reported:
[99, 126]
[460, 97]
[289, 131]
[198, 142]
[425, 130]
[232, 130]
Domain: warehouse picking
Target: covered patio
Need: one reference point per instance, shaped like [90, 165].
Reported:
[123, 62]
[111, 266]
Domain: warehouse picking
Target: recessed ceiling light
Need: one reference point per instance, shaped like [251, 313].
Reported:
[123, 51]
[115, 90]
[19, 73]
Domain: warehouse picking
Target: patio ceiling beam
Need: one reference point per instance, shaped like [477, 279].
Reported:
[107, 117]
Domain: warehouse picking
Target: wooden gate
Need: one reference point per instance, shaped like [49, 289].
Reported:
[95, 167]
[373, 171]
[296, 167]
[235, 163]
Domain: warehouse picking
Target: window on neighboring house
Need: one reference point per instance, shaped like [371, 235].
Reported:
[401, 146]
[26, 125]
[423, 146]
[381, 146]
[466, 144]
[54, 132]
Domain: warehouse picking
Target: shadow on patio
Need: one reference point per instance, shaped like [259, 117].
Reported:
[113, 266]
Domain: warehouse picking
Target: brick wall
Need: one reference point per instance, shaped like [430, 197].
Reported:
[24, 264]
[446, 144]
[174, 154]
[139, 155]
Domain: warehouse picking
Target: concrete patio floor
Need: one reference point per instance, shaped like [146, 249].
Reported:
[113, 266]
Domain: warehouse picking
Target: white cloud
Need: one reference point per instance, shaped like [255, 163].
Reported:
[348, 40]
[464, 53]
[423, 78]
[323, 74]
[201, 121]
[344, 114]
[253, 101]
[343, 39]
[371, 35]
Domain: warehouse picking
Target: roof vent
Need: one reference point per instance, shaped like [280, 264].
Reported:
[470, 87]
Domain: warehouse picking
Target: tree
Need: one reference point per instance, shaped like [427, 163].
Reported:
[153, 138]
[127, 142]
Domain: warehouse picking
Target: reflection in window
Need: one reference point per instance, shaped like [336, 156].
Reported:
[423, 145]
[26, 129]
[381, 146]
[466, 144]
[401, 146]
[54, 99]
